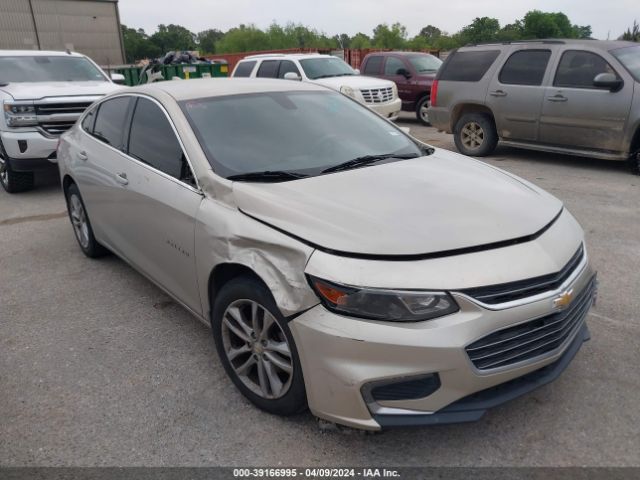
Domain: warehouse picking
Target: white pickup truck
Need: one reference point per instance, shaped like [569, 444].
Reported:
[42, 95]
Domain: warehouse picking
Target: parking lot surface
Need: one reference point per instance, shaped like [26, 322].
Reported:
[99, 367]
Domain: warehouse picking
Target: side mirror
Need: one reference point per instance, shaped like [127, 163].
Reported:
[357, 71]
[292, 76]
[404, 72]
[118, 78]
[609, 81]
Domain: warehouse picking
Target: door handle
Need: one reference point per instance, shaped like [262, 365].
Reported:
[83, 156]
[121, 178]
[557, 98]
[498, 93]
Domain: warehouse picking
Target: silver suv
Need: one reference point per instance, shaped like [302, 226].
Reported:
[578, 97]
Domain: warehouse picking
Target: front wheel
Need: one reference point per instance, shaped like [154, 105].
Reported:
[422, 112]
[256, 347]
[475, 135]
[12, 181]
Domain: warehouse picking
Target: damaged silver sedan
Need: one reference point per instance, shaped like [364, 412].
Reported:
[342, 265]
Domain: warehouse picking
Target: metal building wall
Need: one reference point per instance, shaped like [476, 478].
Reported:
[91, 27]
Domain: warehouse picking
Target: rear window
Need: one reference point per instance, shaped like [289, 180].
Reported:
[526, 67]
[244, 69]
[468, 66]
[372, 67]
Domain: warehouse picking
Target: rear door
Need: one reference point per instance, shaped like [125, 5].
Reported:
[516, 91]
[268, 69]
[577, 114]
[158, 201]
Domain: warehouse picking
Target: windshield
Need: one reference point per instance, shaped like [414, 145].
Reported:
[48, 69]
[325, 67]
[425, 63]
[630, 58]
[295, 132]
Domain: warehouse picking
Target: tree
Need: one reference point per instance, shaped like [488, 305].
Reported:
[537, 24]
[243, 39]
[173, 37]
[137, 45]
[390, 37]
[343, 40]
[583, 31]
[430, 34]
[360, 40]
[632, 34]
[207, 40]
[481, 30]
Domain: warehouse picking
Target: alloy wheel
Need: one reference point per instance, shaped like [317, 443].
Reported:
[257, 349]
[472, 135]
[424, 113]
[79, 220]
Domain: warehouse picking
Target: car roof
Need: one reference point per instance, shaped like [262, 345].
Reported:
[218, 87]
[599, 44]
[37, 53]
[275, 56]
[398, 52]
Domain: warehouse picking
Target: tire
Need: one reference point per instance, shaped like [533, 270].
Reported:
[12, 181]
[245, 349]
[634, 163]
[81, 224]
[421, 113]
[475, 135]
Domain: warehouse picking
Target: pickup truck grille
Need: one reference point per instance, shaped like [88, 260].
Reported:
[534, 338]
[57, 118]
[507, 292]
[377, 95]
[61, 108]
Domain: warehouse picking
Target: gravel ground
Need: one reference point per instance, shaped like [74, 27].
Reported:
[99, 367]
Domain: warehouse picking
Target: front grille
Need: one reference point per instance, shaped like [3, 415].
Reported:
[56, 128]
[61, 108]
[534, 338]
[377, 95]
[507, 292]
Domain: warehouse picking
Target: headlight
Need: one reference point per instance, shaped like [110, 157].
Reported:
[20, 114]
[348, 91]
[395, 90]
[387, 305]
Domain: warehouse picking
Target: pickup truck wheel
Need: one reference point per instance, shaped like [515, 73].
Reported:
[475, 135]
[422, 113]
[13, 182]
[256, 347]
[81, 224]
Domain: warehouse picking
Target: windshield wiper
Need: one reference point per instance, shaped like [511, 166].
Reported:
[267, 176]
[367, 160]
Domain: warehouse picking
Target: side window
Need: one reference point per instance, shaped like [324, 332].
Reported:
[244, 69]
[287, 66]
[526, 67]
[392, 65]
[89, 120]
[153, 141]
[110, 121]
[468, 66]
[373, 66]
[268, 69]
[578, 69]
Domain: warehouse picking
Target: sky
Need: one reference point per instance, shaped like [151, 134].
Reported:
[609, 18]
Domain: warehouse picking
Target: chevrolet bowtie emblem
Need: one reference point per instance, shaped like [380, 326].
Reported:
[563, 300]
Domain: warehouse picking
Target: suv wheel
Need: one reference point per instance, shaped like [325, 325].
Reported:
[475, 135]
[422, 113]
[13, 182]
[256, 347]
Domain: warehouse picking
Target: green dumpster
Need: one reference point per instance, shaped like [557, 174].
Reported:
[184, 71]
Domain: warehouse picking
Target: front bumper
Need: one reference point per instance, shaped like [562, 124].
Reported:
[29, 151]
[342, 355]
[389, 110]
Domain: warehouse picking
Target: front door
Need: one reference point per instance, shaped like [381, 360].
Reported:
[575, 113]
[515, 94]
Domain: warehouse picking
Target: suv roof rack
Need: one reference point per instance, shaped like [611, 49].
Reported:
[516, 42]
[260, 55]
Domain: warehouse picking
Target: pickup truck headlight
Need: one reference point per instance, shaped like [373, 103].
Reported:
[385, 305]
[20, 114]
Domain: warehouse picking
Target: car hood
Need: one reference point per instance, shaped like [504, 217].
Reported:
[421, 206]
[358, 82]
[41, 90]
